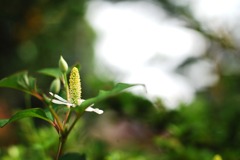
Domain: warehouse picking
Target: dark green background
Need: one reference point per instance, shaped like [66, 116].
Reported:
[33, 34]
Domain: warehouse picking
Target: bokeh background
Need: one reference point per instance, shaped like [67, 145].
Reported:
[185, 52]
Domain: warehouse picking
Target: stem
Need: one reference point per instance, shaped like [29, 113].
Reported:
[74, 123]
[37, 95]
[67, 116]
[63, 134]
[59, 123]
[65, 82]
[62, 140]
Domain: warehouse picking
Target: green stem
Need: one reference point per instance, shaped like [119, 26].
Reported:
[74, 123]
[64, 132]
[63, 137]
[65, 82]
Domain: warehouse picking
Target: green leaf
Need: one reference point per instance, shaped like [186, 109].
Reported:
[33, 112]
[53, 72]
[20, 81]
[105, 94]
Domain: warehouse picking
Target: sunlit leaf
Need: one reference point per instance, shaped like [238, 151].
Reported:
[53, 72]
[104, 95]
[33, 112]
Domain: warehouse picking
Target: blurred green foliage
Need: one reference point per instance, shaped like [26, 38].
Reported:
[34, 33]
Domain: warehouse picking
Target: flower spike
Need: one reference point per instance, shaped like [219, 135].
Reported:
[75, 86]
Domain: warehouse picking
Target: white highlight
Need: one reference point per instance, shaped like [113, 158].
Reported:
[96, 110]
[133, 40]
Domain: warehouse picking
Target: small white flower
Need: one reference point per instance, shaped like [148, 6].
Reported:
[60, 100]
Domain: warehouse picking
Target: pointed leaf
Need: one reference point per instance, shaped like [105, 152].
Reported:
[53, 72]
[33, 112]
[20, 81]
[104, 95]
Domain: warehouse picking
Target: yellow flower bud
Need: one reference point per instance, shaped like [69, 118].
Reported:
[75, 86]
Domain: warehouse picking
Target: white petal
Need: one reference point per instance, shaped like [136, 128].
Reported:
[96, 110]
[64, 103]
[58, 97]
